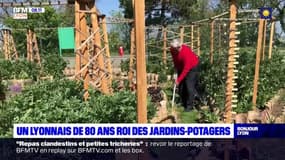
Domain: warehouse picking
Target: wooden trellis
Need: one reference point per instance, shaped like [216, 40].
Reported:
[8, 46]
[132, 60]
[92, 57]
[231, 98]
[33, 54]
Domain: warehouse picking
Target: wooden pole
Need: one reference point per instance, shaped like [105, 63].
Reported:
[28, 44]
[85, 74]
[231, 62]
[220, 38]
[36, 49]
[271, 39]
[199, 41]
[77, 38]
[257, 62]
[264, 40]
[14, 48]
[182, 34]
[7, 45]
[100, 59]
[106, 41]
[192, 36]
[212, 42]
[5, 33]
[164, 45]
[132, 57]
[140, 59]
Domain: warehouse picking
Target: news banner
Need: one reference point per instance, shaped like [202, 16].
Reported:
[107, 141]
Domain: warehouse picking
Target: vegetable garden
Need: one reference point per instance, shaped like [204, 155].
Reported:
[240, 82]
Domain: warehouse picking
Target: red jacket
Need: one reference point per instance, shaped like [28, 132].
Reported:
[184, 61]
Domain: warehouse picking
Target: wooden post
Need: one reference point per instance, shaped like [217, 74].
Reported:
[271, 39]
[106, 41]
[28, 44]
[140, 59]
[132, 57]
[14, 48]
[220, 38]
[182, 34]
[85, 74]
[30, 56]
[97, 44]
[257, 61]
[35, 49]
[5, 36]
[192, 37]
[231, 62]
[8, 46]
[212, 42]
[264, 40]
[164, 45]
[198, 40]
[77, 38]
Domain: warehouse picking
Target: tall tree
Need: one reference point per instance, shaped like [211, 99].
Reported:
[119, 34]
[47, 39]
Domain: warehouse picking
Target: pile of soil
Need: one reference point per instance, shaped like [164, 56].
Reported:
[155, 94]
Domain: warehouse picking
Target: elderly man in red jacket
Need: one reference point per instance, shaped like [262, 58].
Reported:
[186, 63]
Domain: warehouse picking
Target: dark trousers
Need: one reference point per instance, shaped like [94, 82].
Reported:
[187, 88]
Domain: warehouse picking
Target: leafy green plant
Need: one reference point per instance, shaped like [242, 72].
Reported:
[53, 65]
[213, 80]
[61, 101]
[19, 69]
[117, 108]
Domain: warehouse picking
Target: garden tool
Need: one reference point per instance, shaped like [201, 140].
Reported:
[173, 93]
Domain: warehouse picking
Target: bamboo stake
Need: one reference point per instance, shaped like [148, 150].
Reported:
[271, 39]
[140, 59]
[198, 41]
[28, 46]
[258, 52]
[182, 34]
[264, 40]
[212, 18]
[164, 45]
[220, 38]
[132, 57]
[212, 42]
[192, 36]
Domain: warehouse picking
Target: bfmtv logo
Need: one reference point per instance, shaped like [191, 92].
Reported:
[28, 10]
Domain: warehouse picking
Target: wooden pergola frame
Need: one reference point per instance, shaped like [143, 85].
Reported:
[93, 64]
[8, 45]
[33, 53]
